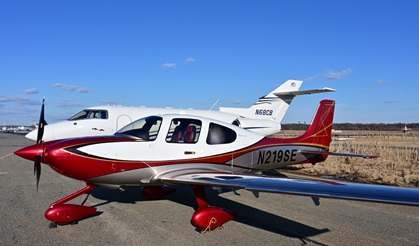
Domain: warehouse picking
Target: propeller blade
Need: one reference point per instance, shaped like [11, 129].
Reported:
[37, 169]
[38, 158]
[41, 123]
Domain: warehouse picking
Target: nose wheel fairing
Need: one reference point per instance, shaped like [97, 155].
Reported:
[68, 213]
[60, 213]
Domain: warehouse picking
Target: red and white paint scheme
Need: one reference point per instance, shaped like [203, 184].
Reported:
[161, 151]
[263, 117]
[406, 129]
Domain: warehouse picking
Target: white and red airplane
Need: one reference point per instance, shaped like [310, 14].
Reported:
[406, 129]
[160, 151]
[263, 117]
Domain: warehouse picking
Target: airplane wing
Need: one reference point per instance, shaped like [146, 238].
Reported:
[314, 188]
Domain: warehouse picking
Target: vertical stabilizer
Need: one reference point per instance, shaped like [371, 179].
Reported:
[319, 133]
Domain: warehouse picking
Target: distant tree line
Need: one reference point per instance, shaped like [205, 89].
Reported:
[358, 126]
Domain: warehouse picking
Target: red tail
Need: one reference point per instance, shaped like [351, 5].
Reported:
[319, 132]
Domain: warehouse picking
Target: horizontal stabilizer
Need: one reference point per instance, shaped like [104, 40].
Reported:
[305, 92]
[337, 153]
[341, 139]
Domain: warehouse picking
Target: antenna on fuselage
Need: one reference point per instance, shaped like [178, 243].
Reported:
[214, 104]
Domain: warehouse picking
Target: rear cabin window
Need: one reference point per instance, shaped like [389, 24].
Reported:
[184, 131]
[145, 128]
[218, 134]
[90, 114]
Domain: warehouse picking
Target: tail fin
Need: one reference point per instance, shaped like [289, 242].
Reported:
[273, 106]
[319, 133]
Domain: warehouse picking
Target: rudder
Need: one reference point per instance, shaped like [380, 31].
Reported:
[319, 132]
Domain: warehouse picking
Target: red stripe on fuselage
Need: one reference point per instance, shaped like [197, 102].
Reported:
[63, 157]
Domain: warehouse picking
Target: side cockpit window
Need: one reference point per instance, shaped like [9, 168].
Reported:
[218, 134]
[90, 114]
[145, 128]
[184, 131]
[80, 115]
[98, 114]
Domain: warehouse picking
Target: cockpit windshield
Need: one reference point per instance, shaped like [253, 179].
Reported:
[90, 114]
[145, 128]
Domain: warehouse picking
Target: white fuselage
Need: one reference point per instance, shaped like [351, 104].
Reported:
[120, 116]
[263, 117]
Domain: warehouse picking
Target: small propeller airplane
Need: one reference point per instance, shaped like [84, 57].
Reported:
[263, 117]
[406, 129]
[161, 151]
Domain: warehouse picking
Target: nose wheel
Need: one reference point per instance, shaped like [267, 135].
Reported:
[53, 225]
[60, 213]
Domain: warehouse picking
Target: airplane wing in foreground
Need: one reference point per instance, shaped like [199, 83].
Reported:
[314, 188]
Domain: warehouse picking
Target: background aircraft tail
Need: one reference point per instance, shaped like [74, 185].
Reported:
[274, 105]
[271, 106]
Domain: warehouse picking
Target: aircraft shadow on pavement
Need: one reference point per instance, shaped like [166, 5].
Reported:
[246, 214]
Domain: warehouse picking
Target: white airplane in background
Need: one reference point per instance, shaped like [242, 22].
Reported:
[264, 117]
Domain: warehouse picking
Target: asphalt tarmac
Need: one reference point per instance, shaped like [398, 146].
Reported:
[127, 218]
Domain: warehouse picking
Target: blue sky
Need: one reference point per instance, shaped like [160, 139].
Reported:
[189, 54]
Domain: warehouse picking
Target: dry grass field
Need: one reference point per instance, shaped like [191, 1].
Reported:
[398, 163]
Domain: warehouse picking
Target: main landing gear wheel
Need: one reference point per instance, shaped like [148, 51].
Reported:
[208, 218]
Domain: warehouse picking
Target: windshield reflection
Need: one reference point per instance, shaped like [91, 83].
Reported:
[145, 128]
